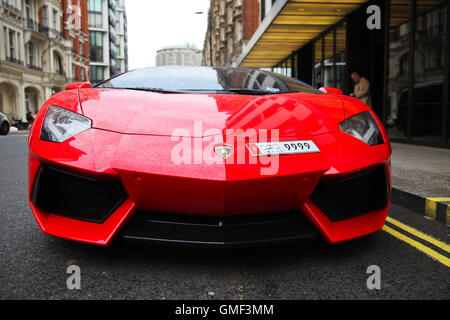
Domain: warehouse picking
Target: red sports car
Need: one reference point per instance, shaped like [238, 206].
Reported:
[207, 156]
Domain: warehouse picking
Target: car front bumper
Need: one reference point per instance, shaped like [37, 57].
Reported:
[210, 205]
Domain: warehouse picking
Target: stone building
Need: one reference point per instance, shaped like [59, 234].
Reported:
[44, 46]
[185, 55]
[231, 24]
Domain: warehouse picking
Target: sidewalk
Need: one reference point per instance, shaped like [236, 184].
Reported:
[421, 180]
[21, 132]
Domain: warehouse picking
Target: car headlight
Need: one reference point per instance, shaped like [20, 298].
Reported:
[61, 124]
[363, 127]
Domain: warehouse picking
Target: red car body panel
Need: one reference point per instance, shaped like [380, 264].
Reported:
[135, 148]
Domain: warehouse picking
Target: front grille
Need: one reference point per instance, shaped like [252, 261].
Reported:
[75, 196]
[353, 196]
[195, 230]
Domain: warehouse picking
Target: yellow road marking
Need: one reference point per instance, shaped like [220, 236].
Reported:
[431, 207]
[448, 216]
[430, 252]
[420, 234]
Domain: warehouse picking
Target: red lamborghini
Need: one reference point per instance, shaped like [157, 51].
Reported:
[207, 156]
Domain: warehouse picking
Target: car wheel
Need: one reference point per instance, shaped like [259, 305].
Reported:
[4, 129]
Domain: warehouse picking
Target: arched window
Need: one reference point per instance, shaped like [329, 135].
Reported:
[58, 65]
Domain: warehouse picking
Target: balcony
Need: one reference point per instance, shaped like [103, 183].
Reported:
[30, 24]
[33, 67]
[11, 8]
[44, 30]
[61, 73]
[14, 60]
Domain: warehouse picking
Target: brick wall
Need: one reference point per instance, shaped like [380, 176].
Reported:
[250, 18]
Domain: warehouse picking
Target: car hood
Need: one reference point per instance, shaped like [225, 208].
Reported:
[199, 115]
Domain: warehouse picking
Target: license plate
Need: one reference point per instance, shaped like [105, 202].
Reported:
[281, 148]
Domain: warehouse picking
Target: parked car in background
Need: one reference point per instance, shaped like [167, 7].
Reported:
[4, 125]
[427, 106]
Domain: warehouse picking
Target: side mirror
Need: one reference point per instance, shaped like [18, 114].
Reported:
[79, 85]
[331, 90]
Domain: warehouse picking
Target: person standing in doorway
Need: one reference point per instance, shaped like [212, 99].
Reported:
[362, 89]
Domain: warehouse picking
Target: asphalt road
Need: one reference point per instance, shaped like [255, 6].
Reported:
[33, 265]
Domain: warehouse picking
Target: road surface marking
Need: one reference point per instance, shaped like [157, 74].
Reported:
[430, 252]
[420, 234]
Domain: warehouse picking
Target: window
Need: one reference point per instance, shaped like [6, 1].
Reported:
[95, 6]
[12, 49]
[239, 34]
[404, 65]
[219, 79]
[95, 13]
[55, 20]
[5, 41]
[97, 73]
[45, 17]
[57, 62]
[27, 10]
[96, 46]
[31, 54]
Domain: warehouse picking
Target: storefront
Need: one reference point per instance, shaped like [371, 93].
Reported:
[323, 42]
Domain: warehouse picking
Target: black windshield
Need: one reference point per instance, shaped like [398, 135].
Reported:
[207, 80]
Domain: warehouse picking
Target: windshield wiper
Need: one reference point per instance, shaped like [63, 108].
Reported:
[159, 90]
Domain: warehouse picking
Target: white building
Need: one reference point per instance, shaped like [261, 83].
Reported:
[187, 55]
[107, 38]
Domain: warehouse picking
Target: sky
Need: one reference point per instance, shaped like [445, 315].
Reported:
[154, 24]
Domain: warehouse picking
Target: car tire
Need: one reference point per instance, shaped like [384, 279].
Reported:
[4, 129]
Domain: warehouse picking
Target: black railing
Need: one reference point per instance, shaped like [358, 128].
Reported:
[14, 60]
[33, 67]
[31, 24]
[61, 73]
[44, 30]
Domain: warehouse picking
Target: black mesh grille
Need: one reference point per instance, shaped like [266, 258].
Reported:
[353, 196]
[195, 230]
[76, 196]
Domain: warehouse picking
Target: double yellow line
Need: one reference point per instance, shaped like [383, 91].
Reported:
[416, 244]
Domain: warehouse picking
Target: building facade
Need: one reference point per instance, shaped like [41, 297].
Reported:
[108, 38]
[186, 55]
[44, 46]
[405, 56]
[231, 24]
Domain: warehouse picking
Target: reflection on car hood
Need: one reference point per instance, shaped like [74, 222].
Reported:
[138, 112]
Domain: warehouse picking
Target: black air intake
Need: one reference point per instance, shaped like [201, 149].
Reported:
[208, 231]
[75, 196]
[353, 196]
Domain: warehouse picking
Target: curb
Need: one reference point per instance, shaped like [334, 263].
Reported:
[437, 209]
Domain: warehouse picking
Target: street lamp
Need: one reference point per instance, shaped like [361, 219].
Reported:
[210, 36]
